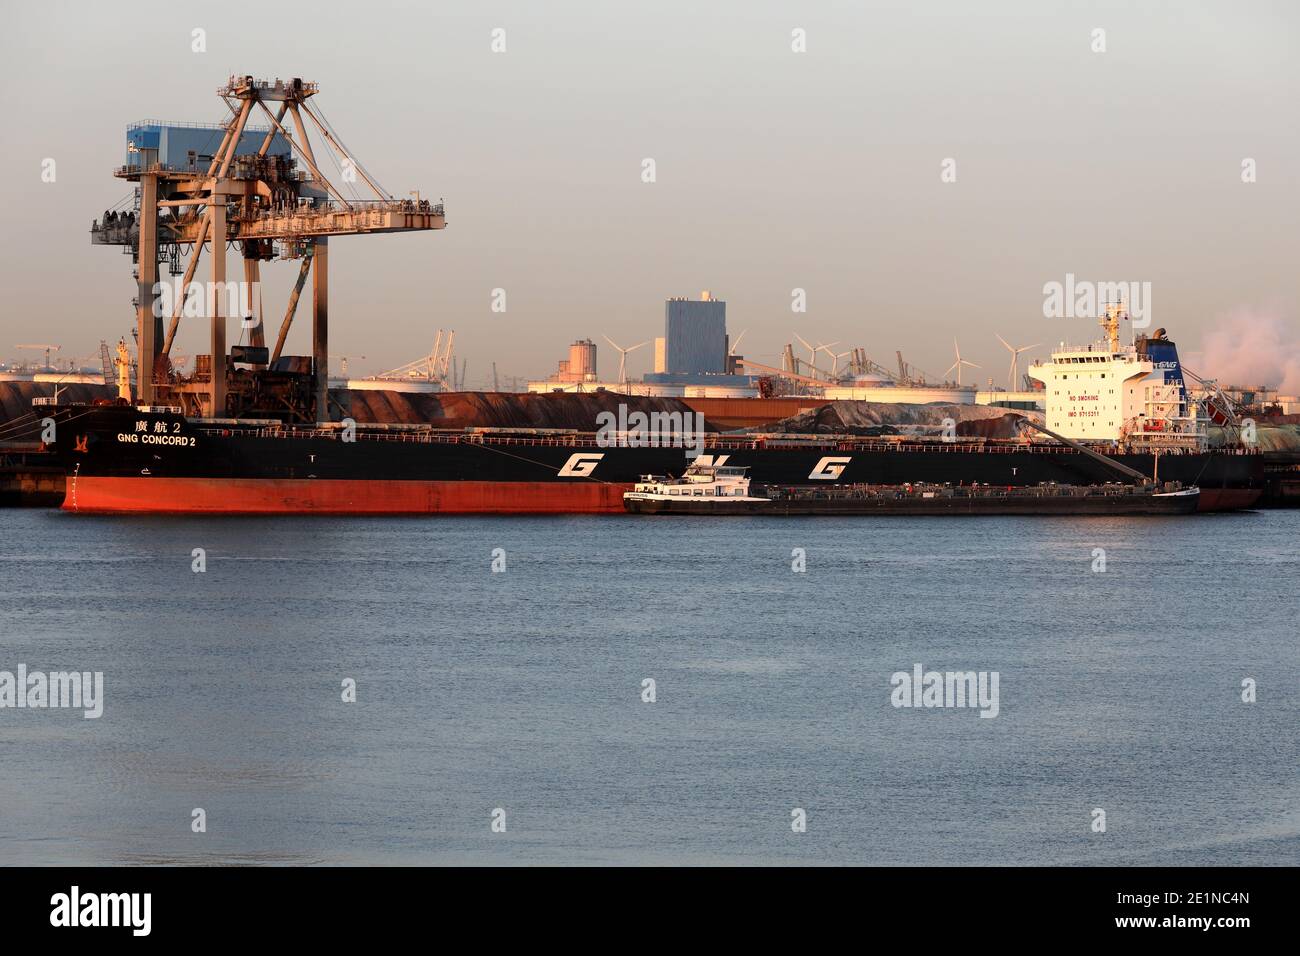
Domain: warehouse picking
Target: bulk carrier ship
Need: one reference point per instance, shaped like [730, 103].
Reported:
[1116, 410]
[250, 430]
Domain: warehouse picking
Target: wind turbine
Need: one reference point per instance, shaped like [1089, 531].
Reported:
[960, 362]
[812, 351]
[835, 361]
[827, 349]
[1012, 377]
[622, 357]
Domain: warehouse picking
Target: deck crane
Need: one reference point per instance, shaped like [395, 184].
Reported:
[268, 205]
[1219, 408]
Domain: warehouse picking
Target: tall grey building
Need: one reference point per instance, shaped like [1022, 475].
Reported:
[695, 335]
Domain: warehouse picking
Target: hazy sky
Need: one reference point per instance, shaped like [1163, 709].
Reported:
[775, 169]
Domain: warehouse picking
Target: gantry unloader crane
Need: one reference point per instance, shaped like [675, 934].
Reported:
[268, 207]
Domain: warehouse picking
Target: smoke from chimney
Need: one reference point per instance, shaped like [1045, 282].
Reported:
[1250, 347]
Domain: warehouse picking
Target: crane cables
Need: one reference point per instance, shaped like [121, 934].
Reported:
[319, 113]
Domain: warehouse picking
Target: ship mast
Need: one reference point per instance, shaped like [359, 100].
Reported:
[1110, 323]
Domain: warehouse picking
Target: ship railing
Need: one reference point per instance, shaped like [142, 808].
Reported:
[218, 127]
[589, 440]
[923, 489]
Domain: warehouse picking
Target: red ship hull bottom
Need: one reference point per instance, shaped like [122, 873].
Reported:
[94, 495]
[338, 496]
[1229, 499]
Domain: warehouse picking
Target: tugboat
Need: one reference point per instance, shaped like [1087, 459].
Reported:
[727, 490]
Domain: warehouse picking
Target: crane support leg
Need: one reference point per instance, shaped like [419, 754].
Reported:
[217, 387]
[253, 304]
[149, 324]
[320, 326]
[293, 306]
[185, 284]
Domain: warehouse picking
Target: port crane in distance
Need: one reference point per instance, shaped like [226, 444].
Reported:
[42, 347]
[268, 204]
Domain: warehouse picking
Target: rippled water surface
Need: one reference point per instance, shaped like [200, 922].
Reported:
[522, 690]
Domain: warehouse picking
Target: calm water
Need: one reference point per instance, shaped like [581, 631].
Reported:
[522, 690]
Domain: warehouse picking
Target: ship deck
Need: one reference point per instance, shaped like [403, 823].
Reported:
[721, 442]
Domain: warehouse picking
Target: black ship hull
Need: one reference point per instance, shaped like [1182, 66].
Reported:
[1061, 502]
[121, 459]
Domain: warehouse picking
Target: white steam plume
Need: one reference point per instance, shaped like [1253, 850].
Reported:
[1250, 347]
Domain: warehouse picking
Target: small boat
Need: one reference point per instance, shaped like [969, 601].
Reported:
[727, 490]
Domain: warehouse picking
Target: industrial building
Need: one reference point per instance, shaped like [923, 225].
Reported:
[579, 367]
[693, 352]
[695, 335]
[691, 358]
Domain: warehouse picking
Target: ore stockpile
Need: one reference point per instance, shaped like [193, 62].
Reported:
[451, 410]
[455, 410]
[887, 418]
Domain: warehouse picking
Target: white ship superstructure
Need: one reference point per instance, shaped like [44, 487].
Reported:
[698, 481]
[1130, 395]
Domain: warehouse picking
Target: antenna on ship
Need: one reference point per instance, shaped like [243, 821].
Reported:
[1110, 319]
